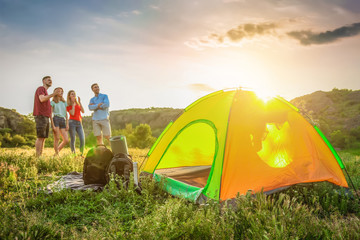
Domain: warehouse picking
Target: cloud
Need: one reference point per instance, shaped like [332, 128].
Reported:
[136, 12]
[235, 35]
[307, 38]
[250, 30]
[128, 14]
[199, 87]
[280, 30]
[154, 7]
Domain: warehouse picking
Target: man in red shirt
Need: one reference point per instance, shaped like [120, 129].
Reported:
[42, 113]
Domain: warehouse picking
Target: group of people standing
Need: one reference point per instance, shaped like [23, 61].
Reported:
[56, 113]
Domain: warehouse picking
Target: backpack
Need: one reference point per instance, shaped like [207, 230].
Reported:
[95, 165]
[121, 165]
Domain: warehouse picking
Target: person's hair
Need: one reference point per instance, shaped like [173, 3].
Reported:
[46, 77]
[57, 98]
[94, 85]
[68, 98]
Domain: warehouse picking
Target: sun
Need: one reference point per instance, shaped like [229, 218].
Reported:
[264, 94]
[225, 70]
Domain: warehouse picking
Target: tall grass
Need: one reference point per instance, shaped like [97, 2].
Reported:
[316, 211]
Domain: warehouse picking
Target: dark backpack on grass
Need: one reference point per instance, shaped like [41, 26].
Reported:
[121, 165]
[95, 166]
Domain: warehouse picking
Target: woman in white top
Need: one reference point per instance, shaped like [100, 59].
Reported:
[59, 121]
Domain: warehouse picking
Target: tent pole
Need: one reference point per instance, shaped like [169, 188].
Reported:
[352, 184]
[142, 162]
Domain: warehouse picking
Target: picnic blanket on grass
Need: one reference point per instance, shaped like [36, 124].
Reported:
[74, 181]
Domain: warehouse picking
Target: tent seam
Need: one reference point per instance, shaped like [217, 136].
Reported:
[226, 136]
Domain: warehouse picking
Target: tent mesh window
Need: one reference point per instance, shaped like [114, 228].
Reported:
[189, 156]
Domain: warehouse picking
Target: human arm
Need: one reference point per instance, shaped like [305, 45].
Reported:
[92, 106]
[51, 118]
[44, 98]
[105, 103]
[81, 106]
[67, 123]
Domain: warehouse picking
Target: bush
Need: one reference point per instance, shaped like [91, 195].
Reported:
[18, 140]
[30, 140]
[26, 126]
[7, 140]
[143, 136]
[5, 130]
[140, 137]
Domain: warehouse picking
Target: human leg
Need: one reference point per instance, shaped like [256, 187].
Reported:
[72, 132]
[99, 140]
[97, 132]
[42, 131]
[105, 128]
[43, 145]
[65, 138]
[108, 140]
[39, 145]
[62, 131]
[80, 132]
[56, 131]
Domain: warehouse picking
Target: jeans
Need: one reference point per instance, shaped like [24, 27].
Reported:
[76, 127]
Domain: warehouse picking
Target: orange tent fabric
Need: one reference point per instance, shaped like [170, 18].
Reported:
[291, 153]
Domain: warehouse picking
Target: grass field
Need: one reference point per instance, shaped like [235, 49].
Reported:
[318, 211]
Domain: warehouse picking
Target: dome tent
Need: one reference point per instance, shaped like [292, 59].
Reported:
[230, 142]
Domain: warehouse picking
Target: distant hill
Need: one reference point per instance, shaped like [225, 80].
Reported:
[14, 121]
[9, 118]
[336, 113]
[338, 109]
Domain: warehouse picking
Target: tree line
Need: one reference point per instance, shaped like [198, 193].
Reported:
[140, 136]
[336, 113]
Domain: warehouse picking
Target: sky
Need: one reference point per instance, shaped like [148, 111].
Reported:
[168, 53]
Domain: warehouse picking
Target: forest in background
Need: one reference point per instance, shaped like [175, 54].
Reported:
[336, 113]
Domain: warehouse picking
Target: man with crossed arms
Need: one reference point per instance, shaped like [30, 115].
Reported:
[100, 105]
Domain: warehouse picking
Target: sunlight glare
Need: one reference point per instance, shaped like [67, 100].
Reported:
[264, 94]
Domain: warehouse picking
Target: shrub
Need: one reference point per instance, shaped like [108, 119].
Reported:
[143, 136]
[140, 137]
[26, 126]
[18, 140]
[30, 140]
[7, 140]
[5, 130]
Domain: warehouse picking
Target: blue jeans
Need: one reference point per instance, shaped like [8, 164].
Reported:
[76, 127]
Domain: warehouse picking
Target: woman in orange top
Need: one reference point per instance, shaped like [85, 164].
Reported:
[75, 109]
